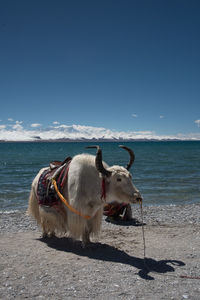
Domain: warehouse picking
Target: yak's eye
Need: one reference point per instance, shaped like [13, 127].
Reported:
[119, 179]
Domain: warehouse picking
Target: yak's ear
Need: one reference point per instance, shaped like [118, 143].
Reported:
[98, 162]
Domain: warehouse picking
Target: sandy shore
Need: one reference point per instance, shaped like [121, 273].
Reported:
[114, 268]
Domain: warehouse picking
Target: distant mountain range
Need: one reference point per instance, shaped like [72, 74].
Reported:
[81, 133]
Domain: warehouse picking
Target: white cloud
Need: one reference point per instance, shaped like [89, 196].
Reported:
[35, 125]
[134, 115]
[197, 122]
[17, 125]
[10, 119]
[2, 127]
[61, 126]
[161, 116]
[56, 123]
[73, 132]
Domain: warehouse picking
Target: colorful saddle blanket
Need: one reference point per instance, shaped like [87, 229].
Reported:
[117, 210]
[46, 193]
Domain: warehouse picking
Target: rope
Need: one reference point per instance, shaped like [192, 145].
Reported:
[67, 204]
[143, 236]
[144, 252]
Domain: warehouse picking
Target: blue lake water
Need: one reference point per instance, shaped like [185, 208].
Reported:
[164, 172]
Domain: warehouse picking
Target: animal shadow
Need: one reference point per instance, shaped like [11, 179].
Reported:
[109, 253]
[120, 222]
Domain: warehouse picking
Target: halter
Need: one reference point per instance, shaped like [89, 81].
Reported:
[103, 189]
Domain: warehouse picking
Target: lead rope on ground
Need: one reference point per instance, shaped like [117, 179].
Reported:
[144, 252]
[143, 237]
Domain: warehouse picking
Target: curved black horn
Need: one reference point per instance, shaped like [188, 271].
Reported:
[132, 156]
[98, 161]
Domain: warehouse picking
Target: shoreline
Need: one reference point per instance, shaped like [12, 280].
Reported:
[100, 140]
[134, 206]
[113, 268]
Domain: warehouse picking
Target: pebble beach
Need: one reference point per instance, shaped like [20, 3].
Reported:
[113, 267]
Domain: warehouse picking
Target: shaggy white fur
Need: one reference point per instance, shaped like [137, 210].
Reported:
[83, 192]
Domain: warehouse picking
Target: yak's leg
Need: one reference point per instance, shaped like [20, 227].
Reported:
[52, 234]
[86, 238]
[86, 235]
[44, 234]
[47, 234]
[47, 231]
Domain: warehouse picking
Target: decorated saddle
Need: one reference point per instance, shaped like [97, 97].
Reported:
[46, 193]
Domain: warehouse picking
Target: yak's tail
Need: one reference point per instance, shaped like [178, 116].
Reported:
[33, 206]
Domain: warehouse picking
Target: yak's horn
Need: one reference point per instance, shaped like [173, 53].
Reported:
[98, 161]
[132, 156]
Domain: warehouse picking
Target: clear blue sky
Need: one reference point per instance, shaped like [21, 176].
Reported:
[123, 65]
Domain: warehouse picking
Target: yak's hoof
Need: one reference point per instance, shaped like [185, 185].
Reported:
[47, 235]
[89, 245]
[86, 244]
[44, 235]
[51, 235]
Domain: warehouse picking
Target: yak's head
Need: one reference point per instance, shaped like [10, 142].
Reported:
[118, 180]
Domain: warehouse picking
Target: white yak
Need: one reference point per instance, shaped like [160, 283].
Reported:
[90, 184]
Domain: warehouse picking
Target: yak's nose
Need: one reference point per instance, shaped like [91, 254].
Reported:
[137, 198]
